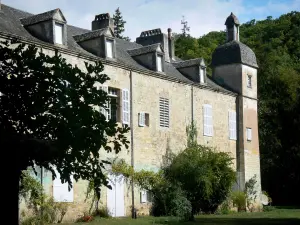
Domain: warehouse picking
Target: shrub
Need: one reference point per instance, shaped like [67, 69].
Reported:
[268, 208]
[239, 200]
[169, 200]
[251, 193]
[102, 212]
[204, 174]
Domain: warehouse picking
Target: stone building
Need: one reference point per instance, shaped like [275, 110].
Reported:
[158, 95]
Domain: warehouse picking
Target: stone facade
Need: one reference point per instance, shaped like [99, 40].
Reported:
[225, 92]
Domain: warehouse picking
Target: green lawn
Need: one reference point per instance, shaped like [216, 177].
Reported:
[276, 217]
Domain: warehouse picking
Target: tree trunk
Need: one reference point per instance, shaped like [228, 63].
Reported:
[11, 191]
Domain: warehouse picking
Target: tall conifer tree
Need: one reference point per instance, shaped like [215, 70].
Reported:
[119, 25]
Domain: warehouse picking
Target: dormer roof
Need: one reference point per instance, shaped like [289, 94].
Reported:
[189, 63]
[93, 34]
[232, 19]
[145, 49]
[55, 14]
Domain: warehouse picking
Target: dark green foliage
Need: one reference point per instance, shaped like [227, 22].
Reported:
[119, 25]
[239, 200]
[277, 47]
[170, 200]
[204, 174]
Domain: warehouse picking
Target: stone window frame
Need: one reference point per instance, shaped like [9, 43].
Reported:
[249, 137]
[113, 40]
[64, 32]
[157, 54]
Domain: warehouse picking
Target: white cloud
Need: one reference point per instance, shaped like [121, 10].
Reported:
[203, 16]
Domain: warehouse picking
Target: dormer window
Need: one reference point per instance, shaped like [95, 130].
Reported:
[109, 48]
[49, 26]
[159, 62]
[58, 33]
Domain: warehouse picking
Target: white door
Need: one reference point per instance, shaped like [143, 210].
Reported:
[115, 196]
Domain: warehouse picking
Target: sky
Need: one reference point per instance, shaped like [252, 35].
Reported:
[203, 16]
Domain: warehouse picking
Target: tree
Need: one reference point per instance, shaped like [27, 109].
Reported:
[185, 28]
[119, 25]
[50, 117]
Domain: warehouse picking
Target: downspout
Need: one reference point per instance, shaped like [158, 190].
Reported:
[192, 103]
[131, 144]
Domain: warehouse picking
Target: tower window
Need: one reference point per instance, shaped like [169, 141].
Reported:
[249, 81]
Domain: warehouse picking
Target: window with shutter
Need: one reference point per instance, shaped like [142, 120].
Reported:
[232, 125]
[109, 48]
[125, 106]
[142, 119]
[58, 33]
[164, 112]
[208, 120]
[143, 196]
[61, 191]
[104, 110]
[249, 134]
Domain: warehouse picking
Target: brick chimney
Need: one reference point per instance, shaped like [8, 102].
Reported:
[103, 21]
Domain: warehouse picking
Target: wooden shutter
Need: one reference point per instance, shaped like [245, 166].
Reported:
[143, 196]
[232, 125]
[164, 112]
[142, 119]
[208, 120]
[103, 110]
[125, 106]
[61, 191]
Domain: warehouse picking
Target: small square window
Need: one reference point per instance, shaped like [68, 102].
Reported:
[159, 63]
[109, 48]
[58, 33]
[249, 134]
[143, 119]
[249, 81]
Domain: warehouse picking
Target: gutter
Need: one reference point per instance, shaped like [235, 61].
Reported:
[131, 143]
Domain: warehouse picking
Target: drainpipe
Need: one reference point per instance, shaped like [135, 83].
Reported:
[192, 102]
[131, 144]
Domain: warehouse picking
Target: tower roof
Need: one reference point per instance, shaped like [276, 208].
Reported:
[234, 52]
[232, 19]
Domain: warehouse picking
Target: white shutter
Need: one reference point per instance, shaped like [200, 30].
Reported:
[58, 33]
[249, 134]
[61, 191]
[201, 75]
[103, 110]
[109, 48]
[164, 112]
[142, 119]
[126, 106]
[232, 125]
[143, 196]
[208, 120]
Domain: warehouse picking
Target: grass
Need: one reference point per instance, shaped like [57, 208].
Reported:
[275, 217]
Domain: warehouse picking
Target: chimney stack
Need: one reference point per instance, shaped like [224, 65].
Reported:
[171, 45]
[103, 21]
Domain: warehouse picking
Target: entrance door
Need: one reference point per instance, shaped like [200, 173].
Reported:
[115, 196]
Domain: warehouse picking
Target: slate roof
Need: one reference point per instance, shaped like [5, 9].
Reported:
[232, 19]
[90, 34]
[143, 50]
[10, 24]
[39, 17]
[233, 52]
[190, 62]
